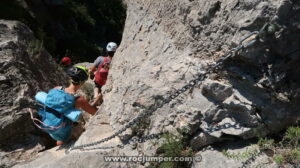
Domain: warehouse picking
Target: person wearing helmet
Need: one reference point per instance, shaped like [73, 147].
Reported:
[65, 63]
[78, 75]
[99, 71]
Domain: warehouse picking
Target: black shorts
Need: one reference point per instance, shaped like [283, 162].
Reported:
[98, 86]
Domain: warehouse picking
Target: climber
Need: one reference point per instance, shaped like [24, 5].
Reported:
[61, 106]
[65, 62]
[99, 71]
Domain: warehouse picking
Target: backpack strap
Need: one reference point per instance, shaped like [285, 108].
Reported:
[105, 60]
[34, 120]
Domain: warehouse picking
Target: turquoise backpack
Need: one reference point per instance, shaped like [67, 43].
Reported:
[57, 114]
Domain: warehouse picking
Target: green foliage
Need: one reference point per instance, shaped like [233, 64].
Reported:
[173, 146]
[13, 10]
[35, 48]
[98, 22]
[293, 157]
[288, 156]
[82, 27]
[40, 33]
[48, 41]
[50, 44]
[166, 165]
[265, 143]
[81, 11]
[286, 150]
[292, 136]
[278, 159]
[111, 11]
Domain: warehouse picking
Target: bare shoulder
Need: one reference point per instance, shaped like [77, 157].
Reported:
[81, 99]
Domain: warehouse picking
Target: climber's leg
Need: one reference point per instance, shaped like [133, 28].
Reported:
[97, 96]
[58, 143]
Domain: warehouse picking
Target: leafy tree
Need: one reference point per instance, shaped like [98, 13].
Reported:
[81, 27]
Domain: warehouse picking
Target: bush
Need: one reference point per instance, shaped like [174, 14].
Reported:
[83, 27]
[265, 143]
[81, 11]
[278, 159]
[292, 136]
[287, 150]
[13, 10]
[34, 48]
[173, 146]
[293, 157]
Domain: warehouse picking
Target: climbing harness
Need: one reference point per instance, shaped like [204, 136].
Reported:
[160, 101]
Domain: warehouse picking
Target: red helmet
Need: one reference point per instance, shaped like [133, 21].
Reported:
[66, 61]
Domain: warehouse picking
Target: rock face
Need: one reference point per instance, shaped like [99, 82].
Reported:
[235, 157]
[166, 43]
[25, 69]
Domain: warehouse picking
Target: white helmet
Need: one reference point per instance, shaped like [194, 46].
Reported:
[111, 46]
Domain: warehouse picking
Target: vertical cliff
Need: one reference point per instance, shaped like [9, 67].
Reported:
[165, 45]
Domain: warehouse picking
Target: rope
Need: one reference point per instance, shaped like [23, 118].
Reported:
[50, 127]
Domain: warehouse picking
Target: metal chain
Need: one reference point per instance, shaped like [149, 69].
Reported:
[251, 159]
[208, 148]
[245, 163]
[220, 127]
[134, 140]
[144, 138]
[102, 148]
[160, 101]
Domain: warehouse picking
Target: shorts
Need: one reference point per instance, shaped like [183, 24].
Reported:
[97, 90]
[98, 86]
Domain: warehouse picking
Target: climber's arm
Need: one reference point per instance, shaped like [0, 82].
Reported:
[92, 69]
[97, 62]
[83, 104]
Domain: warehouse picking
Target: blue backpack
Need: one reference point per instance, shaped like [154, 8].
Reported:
[57, 114]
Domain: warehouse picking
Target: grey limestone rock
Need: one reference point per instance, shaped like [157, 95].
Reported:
[25, 68]
[165, 43]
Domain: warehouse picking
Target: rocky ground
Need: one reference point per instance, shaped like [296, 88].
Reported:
[166, 44]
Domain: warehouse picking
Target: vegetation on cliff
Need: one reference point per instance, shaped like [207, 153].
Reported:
[77, 28]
